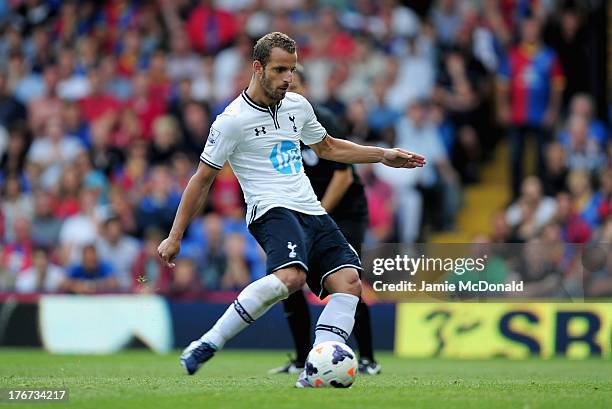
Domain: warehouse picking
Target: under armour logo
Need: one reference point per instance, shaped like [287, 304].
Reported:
[292, 119]
[262, 130]
[291, 247]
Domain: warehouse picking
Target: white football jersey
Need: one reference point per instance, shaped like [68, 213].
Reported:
[262, 145]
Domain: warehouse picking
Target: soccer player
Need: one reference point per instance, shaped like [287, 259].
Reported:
[259, 134]
[342, 196]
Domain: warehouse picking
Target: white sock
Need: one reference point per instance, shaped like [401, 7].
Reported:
[253, 302]
[337, 319]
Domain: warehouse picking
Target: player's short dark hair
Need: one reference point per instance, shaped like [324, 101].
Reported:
[263, 46]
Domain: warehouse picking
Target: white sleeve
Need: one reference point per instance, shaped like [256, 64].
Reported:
[222, 141]
[312, 131]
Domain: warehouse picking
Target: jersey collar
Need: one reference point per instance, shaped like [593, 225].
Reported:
[257, 106]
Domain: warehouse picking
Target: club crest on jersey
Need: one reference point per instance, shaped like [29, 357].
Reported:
[291, 247]
[292, 119]
[213, 136]
[286, 157]
[258, 130]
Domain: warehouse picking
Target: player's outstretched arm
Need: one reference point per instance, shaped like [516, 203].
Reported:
[192, 202]
[343, 151]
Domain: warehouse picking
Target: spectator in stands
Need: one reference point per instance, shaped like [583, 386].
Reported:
[566, 35]
[149, 274]
[574, 229]
[532, 210]
[74, 123]
[16, 204]
[381, 118]
[185, 285]
[182, 61]
[79, 230]
[91, 275]
[209, 235]
[11, 110]
[68, 193]
[54, 150]
[159, 204]
[119, 250]
[196, 125]
[555, 177]
[599, 282]
[416, 64]
[165, 140]
[144, 103]
[92, 178]
[604, 210]
[220, 27]
[581, 105]
[447, 19]
[42, 277]
[13, 159]
[381, 205]
[106, 157]
[98, 102]
[47, 106]
[501, 232]
[583, 150]
[46, 226]
[437, 182]
[530, 87]
[182, 169]
[539, 270]
[585, 200]
[17, 254]
[237, 274]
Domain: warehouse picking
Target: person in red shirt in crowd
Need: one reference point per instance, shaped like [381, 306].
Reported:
[210, 28]
[146, 106]
[530, 85]
[574, 228]
[97, 103]
[67, 198]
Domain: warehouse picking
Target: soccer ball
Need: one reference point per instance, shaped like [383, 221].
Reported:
[331, 364]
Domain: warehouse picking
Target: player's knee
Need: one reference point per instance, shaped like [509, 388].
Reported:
[293, 277]
[344, 281]
[353, 285]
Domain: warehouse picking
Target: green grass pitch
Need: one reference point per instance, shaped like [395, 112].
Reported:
[238, 379]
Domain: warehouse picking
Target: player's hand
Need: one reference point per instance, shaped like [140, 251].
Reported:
[399, 158]
[168, 250]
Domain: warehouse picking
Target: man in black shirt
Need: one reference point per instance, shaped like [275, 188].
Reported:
[342, 195]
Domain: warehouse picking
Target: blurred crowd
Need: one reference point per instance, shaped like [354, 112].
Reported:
[105, 107]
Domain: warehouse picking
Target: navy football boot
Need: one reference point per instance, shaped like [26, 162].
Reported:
[196, 354]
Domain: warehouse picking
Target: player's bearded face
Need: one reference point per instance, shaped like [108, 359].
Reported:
[276, 76]
[275, 89]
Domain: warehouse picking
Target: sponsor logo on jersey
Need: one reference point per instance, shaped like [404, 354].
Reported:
[286, 157]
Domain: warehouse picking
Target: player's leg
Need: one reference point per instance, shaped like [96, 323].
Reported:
[252, 302]
[338, 317]
[334, 265]
[354, 232]
[298, 318]
[363, 335]
[286, 267]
